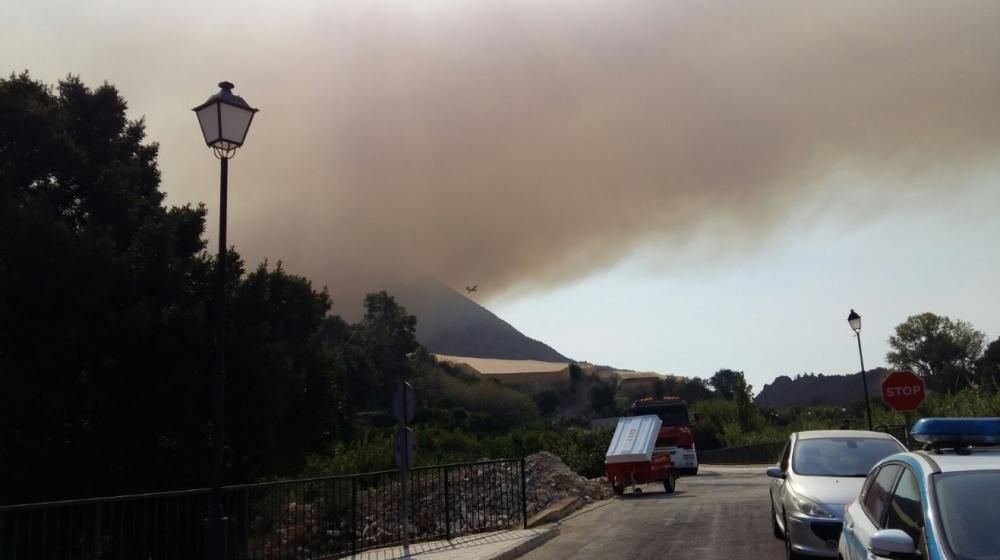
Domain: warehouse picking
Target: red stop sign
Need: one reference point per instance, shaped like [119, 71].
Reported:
[903, 390]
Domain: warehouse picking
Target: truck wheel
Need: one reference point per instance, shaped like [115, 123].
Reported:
[670, 483]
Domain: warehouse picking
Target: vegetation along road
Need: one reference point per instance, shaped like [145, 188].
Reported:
[721, 513]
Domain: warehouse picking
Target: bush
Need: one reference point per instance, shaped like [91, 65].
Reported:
[547, 402]
[487, 406]
[582, 450]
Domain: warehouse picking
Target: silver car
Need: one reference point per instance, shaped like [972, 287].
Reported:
[819, 473]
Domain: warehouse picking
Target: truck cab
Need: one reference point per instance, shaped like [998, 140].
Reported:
[675, 435]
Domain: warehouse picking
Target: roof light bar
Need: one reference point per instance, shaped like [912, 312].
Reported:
[957, 432]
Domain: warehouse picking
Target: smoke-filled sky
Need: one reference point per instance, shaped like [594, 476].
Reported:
[651, 172]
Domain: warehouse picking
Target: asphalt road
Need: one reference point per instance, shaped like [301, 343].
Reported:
[721, 514]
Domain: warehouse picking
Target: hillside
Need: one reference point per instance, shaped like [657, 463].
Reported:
[452, 324]
[811, 389]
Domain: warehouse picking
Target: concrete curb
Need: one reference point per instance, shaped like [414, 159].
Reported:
[555, 512]
[527, 546]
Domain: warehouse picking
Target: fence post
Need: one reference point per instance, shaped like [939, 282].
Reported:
[97, 532]
[354, 515]
[447, 507]
[524, 495]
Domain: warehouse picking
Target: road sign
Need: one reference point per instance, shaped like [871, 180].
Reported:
[406, 448]
[903, 390]
[405, 396]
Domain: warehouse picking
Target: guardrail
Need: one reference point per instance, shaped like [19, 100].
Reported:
[298, 519]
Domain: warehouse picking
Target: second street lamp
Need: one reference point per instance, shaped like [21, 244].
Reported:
[855, 321]
[225, 119]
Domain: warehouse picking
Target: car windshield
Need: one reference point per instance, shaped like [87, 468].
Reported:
[969, 506]
[841, 456]
[671, 416]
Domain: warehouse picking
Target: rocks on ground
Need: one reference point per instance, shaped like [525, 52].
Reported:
[550, 480]
[443, 502]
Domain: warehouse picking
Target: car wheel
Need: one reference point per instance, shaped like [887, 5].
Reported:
[790, 553]
[778, 533]
[669, 483]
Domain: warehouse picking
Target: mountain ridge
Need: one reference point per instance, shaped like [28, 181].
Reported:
[453, 324]
[819, 389]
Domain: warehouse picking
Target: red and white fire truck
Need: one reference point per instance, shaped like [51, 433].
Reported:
[675, 435]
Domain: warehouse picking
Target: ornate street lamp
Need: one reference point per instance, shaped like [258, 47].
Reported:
[225, 119]
[855, 321]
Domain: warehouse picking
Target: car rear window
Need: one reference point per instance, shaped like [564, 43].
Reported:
[969, 506]
[841, 456]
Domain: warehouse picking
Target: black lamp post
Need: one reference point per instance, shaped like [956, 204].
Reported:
[225, 119]
[855, 321]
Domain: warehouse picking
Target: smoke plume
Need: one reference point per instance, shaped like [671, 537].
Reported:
[523, 143]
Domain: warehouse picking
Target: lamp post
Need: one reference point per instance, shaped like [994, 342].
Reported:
[225, 119]
[855, 321]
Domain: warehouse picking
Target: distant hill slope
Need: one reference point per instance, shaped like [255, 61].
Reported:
[806, 390]
[450, 323]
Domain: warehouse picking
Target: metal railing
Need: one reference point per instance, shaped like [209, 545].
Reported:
[761, 453]
[298, 519]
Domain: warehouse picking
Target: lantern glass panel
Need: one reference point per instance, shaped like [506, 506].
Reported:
[235, 123]
[208, 118]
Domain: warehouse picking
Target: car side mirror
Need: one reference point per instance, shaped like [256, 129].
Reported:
[893, 543]
[775, 472]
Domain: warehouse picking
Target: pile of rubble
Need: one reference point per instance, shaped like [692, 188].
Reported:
[480, 497]
[550, 480]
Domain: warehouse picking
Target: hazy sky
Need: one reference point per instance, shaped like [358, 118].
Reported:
[654, 185]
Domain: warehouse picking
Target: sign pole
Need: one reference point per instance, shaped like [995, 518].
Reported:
[403, 405]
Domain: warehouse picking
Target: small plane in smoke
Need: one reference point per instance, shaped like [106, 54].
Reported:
[474, 288]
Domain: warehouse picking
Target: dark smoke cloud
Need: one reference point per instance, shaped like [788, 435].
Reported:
[527, 143]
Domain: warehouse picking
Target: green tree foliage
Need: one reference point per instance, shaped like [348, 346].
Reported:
[582, 450]
[102, 294]
[471, 402]
[575, 373]
[283, 398]
[690, 390]
[988, 366]
[713, 417]
[732, 419]
[941, 350]
[726, 383]
[746, 411]
[547, 402]
[602, 399]
[107, 334]
[967, 402]
[388, 335]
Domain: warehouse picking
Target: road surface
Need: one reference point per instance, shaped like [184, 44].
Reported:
[722, 513]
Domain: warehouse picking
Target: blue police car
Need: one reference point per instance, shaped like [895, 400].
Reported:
[941, 503]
